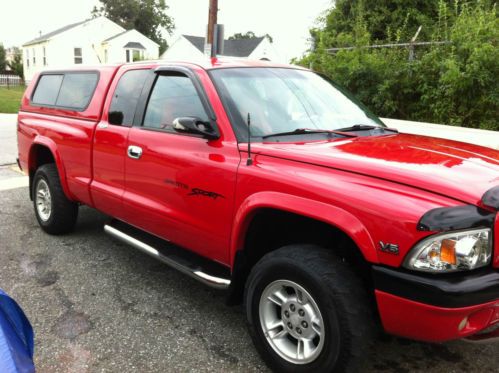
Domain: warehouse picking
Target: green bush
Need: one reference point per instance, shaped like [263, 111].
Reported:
[453, 84]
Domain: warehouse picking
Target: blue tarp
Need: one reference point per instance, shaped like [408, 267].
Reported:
[16, 338]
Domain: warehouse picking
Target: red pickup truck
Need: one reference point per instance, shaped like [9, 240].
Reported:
[274, 183]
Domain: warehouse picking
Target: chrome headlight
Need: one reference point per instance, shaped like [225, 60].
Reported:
[451, 252]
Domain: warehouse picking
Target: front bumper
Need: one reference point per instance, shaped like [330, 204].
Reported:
[438, 308]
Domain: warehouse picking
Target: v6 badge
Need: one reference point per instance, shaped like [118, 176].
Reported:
[389, 248]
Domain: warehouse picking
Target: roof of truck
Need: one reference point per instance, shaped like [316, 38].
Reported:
[216, 63]
[205, 63]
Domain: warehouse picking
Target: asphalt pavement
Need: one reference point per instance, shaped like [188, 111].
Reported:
[97, 305]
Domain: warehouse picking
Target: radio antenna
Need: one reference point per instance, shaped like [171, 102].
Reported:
[249, 161]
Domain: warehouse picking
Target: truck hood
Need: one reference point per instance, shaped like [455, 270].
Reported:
[458, 170]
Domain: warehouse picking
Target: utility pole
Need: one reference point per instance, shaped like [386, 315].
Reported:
[212, 21]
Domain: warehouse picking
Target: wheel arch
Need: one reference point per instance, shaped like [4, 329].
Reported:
[326, 213]
[329, 221]
[44, 151]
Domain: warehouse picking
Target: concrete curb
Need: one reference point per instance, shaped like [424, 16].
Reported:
[486, 138]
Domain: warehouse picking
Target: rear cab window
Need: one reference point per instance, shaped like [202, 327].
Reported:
[71, 90]
[72, 93]
[47, 90]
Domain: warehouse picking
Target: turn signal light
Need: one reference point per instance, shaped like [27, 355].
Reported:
[448, 251]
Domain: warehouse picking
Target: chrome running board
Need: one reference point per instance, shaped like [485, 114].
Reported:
[208, 272]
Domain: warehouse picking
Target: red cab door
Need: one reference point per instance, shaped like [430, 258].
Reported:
[180, 186]
[110, 141]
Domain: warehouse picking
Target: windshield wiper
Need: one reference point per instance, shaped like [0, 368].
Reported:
[358, 127]
[364, 127]
[298, 131]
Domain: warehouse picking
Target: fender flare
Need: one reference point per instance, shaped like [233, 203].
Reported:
[324, 212]
[52, 146]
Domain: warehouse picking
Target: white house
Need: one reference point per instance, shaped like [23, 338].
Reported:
[188, 47]
[90, 42]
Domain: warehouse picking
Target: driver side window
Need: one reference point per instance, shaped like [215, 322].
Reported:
[173, 96]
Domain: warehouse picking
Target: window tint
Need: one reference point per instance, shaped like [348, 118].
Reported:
[77, 90]
[283, 100]
[69, 90]
[173, 96]
[47, 89]
[127, 95]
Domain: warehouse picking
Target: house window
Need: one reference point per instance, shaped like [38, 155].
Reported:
[105, 55]
[78, 56]
[137, 55]
[34, 57]
[27, 57]
[44, 57]
[134, 55]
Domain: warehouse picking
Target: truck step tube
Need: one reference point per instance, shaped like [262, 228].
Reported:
[193, 265]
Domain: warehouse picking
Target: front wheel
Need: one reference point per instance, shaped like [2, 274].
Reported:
[308, 312]
[55, 213]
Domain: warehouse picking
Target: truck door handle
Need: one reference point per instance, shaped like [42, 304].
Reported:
[134, 152]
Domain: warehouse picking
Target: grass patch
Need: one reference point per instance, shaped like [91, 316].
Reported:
[10, 99]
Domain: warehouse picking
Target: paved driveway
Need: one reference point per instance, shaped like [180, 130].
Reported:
[100, 306]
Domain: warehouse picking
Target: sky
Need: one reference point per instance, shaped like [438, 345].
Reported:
[287, 21]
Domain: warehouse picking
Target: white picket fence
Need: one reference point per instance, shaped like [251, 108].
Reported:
[7, 80]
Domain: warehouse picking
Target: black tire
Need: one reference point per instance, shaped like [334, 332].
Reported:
[63, 212]
[341, 299]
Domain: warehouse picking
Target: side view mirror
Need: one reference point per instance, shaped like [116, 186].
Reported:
[196, 126]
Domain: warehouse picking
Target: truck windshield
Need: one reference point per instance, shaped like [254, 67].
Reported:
[282, 100]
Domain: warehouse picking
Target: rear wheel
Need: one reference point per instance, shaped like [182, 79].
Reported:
[55, 213]
[307, 311]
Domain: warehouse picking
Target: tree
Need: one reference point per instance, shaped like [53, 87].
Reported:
[249, 35]
[384, 20]
[3, 64]
[454, 83]
[146, 16]
[16, 65]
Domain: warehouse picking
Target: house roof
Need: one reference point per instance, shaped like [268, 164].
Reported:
[197, 41]
[134, 45]
[49, 35]
[53, 33]
[232, 48]
[123, 33]
[115, 36]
